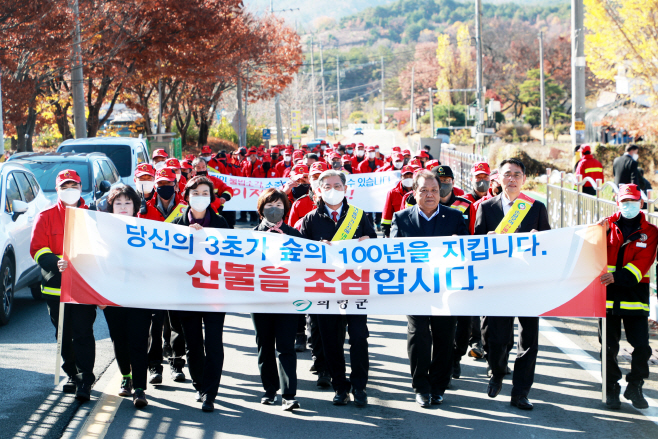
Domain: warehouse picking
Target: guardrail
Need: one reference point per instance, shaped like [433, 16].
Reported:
[461, 163]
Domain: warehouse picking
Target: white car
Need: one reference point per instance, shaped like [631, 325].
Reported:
[22, 199]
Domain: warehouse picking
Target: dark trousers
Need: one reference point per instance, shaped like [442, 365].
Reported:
[155, 341]
[497, 332]
[330, 330]
[637, 334]
[78, 343]
[177, 340]
[301, 324]
[317, 349]
[589, 190]
[276, 333]
[467, 334]
[430, 345]
[129, 331]
[166, 333]
[203, 332]
[229, 216]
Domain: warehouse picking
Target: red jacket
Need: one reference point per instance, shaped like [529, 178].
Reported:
[248, 168]
[47, 245]
[181, 184]
[222, 191]
[393, 203]
[629, 294]
[588, 166]
[364, 166]
[217, 166]
[300, 208]
[152, 212]
[260, 173]
[281, 168]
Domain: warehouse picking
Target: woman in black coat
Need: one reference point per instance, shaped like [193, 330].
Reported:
[205, 355]
[276, 332]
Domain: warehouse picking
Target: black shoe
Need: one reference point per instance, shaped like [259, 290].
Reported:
[126, 387]
[436, 398]
[324, 379]
[167, 351]
[423, 400]
[289, 405]
[313, 368]
[612, 397]
[155, 377]
[360, 398]
[208, 406]
[300, 343]
[69, 386]
[83, 393]
[342, 398]
[634, 394]
[494, 388]
[268, 399]
[456, 369]
[521, 402]
[476, 351]
[177, 374]
[139, 399]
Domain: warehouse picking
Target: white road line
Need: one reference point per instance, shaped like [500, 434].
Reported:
[102, 415]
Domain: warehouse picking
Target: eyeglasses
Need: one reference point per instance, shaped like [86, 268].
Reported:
[424, 191]
[513, 175]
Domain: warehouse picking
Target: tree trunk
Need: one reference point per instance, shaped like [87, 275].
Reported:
[62, 120]
[204, 130]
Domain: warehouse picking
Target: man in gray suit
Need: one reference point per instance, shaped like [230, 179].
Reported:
[430, 339]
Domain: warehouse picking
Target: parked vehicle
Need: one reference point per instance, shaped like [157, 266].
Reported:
[96, 170]
[22, 199]
[358, 131]
[125, 152]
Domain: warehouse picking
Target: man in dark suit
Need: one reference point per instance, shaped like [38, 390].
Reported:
[624, 168]
[498, 332]
[430, 339]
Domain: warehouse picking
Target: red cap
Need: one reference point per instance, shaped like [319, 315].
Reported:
[494, 175]
[252, 151]
[190, 158]
[431, 164]
[323, 142]
[346, 158]
[396, 149]
[144, 169]
[406, 152]
[160, 153]
[416, 168]
[397, 157]
[298, 154]
[67, 175]
[415, 162]
[298, 171]
[480, 168]
[406, 169]
[267, 158]
[422, 154]
[628, 192]
[318, 168]
[186, 165]
[172, 163]
[585, 149]
[165, 174]
[334, 156]
[360, 145]
[206, 149]
[370, 149]
[274, 151]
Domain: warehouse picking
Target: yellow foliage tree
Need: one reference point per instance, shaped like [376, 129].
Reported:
[623, 34]
[446, 60]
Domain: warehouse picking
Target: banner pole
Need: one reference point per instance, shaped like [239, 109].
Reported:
[60, 329]
[604, 358]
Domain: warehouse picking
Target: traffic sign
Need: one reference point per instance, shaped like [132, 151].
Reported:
[266, 134]
[579, 125]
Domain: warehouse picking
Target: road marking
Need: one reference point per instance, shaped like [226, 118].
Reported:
[588, 363]
[102, 415]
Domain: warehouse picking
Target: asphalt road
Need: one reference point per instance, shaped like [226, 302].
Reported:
[384, 138]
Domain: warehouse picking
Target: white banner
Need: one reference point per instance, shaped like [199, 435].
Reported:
[125, 261]
[367, 191]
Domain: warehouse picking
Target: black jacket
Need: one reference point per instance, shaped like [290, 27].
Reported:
[406, 223]
[625, 171]
[216, 221]
[318, 225]
[490, 214]
[285, 228]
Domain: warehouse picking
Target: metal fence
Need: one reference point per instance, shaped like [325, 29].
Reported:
[460, 163]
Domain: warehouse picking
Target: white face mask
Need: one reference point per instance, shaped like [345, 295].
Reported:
[206, 158]
[159, 165]
[144, 187]
[372, 155]
[286, 158]
[199, 203]
[397, 165]
[407, 182]
[635, 156]
[315, 184]
[177, 177]
[69, 196]
[360, 152]
[332, 196]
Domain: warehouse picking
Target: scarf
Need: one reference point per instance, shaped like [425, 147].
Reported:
[273, 227]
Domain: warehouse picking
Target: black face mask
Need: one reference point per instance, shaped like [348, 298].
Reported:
[203, 173]
[482, 186]
[498, 190]
[300, 190]
[166, 192]
[445, 190]
[336, 166]
[348, 167]
[266, 166]
[406, 161]
[274, 156]
[186, 175]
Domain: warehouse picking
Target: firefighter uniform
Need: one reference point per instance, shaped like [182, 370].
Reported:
[588, 166]
[394, 200]
[631, 247]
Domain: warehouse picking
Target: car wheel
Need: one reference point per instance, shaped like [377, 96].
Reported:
[7, 282]
[36, 292]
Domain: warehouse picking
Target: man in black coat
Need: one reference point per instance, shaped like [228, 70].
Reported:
[624, 168]
[498, 332]
[430, 339]
[334, 218]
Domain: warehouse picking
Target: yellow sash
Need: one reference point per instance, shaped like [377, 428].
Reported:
[176, 213]
[214, 169]
[515, 215]
[350, 224]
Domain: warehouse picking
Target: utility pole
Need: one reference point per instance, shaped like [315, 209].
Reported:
[315, 113]
[239, 112]
[541, 88]
[2, 132]
[431, 101]
[577, 73]
[412, 113]
[478, 74]
[279, 126]
[77, 84]
[340, 120]
[159, 106]
[383, 126]
[324, 101]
